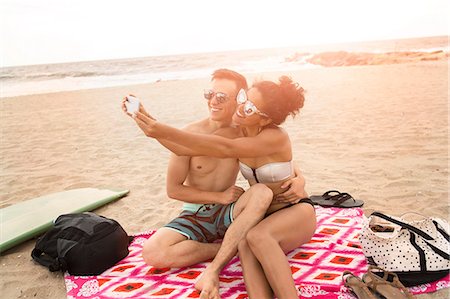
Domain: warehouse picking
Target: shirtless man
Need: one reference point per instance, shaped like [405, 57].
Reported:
[198, 181]
[206, 185]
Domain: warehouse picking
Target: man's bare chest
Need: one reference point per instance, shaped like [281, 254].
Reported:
[208, 165]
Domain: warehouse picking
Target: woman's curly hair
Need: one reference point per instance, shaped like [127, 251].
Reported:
[282, 99]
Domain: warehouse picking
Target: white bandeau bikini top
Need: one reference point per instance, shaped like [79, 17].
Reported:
[268, 173]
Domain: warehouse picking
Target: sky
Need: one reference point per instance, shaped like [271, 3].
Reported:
[50, 31]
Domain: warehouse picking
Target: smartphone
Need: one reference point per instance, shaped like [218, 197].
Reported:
[132, 104]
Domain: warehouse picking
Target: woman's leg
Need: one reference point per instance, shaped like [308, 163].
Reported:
[248, 211]
[255, 280]
[276, 235]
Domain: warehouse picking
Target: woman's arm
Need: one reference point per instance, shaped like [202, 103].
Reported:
[177, 149]
[270, 141]
[173, 147]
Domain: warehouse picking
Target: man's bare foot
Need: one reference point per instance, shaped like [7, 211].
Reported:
[208, 284]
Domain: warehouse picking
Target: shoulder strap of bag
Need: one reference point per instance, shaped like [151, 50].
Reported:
[419, 232]
[53, 264]
[441, 231]
[443, 254]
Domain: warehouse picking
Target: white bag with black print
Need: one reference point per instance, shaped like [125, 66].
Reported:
[417, 250]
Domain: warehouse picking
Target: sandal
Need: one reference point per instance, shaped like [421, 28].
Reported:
[357, 286]
[336, 199]
[388, 289]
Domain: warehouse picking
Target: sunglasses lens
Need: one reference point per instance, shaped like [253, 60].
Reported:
[249, 108]
[221, 97]
[208, 94]
[241, 97]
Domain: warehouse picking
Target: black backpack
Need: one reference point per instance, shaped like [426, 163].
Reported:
[83, 244]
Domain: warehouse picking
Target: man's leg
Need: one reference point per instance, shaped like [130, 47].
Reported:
[248, 211]
[170, 249]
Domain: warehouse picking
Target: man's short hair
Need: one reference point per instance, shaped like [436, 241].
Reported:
[240, 80]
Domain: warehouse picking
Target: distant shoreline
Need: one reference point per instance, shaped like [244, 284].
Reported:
[39, 79]
[343, 58]
[442, 39]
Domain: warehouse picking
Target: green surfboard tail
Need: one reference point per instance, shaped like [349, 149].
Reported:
[25, 220]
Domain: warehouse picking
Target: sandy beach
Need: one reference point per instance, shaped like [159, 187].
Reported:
[378, 132]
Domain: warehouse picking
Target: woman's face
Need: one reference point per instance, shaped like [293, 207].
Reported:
[250, 113]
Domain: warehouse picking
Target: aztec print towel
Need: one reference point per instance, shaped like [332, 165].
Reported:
[316, 267]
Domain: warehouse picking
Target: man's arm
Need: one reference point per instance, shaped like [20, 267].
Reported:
[176, 175]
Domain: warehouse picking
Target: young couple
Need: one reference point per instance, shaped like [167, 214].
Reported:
[263, 223]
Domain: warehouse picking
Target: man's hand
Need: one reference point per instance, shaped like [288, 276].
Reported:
[295, 190]
[231, 195]
[208, 284]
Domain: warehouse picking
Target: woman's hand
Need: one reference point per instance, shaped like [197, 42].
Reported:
[146, 123]
[143, 119]
[295, 190]
[124, 107]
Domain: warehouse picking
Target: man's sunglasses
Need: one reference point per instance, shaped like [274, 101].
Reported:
[220, 96]
[249, 107]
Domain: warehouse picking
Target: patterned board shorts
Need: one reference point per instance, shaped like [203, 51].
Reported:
[210, 222]
[207, 225]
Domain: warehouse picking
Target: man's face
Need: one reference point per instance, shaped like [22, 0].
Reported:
[222, 110]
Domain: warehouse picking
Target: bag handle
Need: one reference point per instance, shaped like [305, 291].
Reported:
[413, 213]
[404, 225]
[419, 232]
[45, 260]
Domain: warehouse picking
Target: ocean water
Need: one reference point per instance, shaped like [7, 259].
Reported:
[35, 79]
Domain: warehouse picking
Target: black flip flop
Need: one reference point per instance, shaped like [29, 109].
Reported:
[336, 199]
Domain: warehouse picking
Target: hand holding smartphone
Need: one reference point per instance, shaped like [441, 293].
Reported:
[132, 104]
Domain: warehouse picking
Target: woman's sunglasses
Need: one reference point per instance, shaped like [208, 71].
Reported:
[220, 96]
[249, 107]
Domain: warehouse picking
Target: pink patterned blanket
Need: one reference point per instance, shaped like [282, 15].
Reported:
[316, 267]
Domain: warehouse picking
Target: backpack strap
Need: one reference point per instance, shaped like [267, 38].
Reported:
[53, 264]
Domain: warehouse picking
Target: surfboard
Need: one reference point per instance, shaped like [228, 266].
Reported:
[30, 218]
